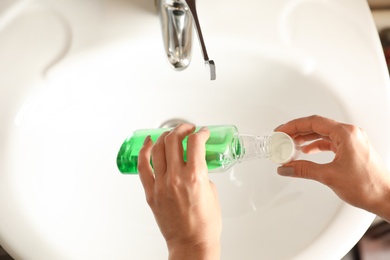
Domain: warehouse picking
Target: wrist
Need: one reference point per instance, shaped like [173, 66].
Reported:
[380, 194]
[209, 250]
[376, 199]
[382, 208]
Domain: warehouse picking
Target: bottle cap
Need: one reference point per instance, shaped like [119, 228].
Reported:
[283, 148]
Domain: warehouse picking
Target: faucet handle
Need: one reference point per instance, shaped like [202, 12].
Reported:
[211, 66]
[209, 63]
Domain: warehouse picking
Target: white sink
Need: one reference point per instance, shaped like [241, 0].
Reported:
[78, 76]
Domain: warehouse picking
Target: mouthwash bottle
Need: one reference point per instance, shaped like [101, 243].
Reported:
[224, 148]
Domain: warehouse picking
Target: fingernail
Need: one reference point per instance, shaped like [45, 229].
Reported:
[204, 128]
[147, 140]
[278, 127]
[286, 171]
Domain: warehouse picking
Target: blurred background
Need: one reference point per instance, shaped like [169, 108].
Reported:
[375, 244]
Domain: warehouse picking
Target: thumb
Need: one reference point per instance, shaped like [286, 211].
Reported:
[302, 169]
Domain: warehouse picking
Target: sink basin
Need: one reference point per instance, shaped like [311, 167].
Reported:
[79, 76]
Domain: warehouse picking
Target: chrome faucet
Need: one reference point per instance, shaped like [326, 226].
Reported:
[177, 18]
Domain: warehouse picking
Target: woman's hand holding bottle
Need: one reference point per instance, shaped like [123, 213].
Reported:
[183, 199]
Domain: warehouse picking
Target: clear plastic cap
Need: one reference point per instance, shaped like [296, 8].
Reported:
[283, 148]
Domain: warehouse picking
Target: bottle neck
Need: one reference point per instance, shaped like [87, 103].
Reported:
[247, 147]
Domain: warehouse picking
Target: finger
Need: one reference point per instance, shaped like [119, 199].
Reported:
[158, 156]
[145, 170]
[196, 148]
[304, 169]
[317, 124]
[303, 138]
[318, 146]
[174, 144]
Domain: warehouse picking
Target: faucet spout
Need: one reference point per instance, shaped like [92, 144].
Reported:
[177, 18]
[176, 25]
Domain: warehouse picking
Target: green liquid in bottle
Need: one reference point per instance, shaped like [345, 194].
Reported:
[222, 148]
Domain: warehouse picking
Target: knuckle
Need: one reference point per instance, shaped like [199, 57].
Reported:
[174, 183]
[354, 133]
[181, 125]
[172, 190]
[314, 117]
[352, 129]
[150, 200]
[198, 180]
[193, 139]
[195, 178]
[171, 137]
